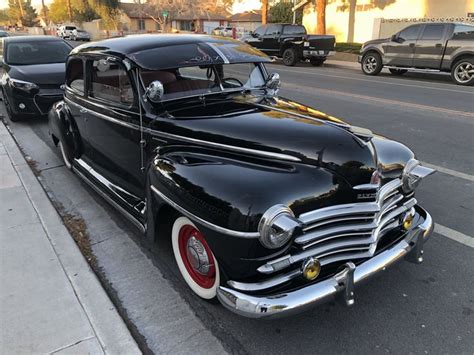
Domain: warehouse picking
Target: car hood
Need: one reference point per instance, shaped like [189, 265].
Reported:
[283, 127]
[40, 74]
[376, 41]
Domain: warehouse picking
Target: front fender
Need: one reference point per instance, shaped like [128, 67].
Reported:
[233, 194]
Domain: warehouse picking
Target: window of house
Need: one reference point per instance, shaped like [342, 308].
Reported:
[141, 25]
[75, 75]
[110, 82]
[409, 33]
[433, 32]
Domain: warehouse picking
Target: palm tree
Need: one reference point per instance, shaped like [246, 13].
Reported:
[264, 11]
[321, 20]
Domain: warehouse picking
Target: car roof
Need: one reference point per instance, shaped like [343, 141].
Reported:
[19, 39]
[144, 50]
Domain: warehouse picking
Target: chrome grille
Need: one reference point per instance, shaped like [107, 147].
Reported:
[346, 232]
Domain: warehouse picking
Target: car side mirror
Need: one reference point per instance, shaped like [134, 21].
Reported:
[154, 92]
[394, 38]
[273, 82]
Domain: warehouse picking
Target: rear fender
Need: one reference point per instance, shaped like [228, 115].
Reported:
[63, 127]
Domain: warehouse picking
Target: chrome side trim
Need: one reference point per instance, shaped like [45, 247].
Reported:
[287, 303]
[249, 151]
[233, 148]
[106, 197]
[257, 286]
[199, 220]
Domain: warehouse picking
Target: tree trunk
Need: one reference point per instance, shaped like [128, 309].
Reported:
[321, 17]
[352, 13]
[22, 13]
[45, 13]
[264, 11]
[69, 10]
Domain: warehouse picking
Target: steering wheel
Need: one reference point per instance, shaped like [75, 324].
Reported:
[229, 80]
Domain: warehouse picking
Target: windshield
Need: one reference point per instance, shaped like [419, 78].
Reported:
[41, 52]
[206, 79]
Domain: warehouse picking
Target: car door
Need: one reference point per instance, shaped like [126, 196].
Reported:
[114, 127]
[74, 96]
[400, 50]
[256, 38]
[430, 46]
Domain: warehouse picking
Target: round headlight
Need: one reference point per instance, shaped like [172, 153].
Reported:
[277, 226]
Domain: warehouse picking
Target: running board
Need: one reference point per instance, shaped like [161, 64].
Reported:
[413, 69]
[104, 195]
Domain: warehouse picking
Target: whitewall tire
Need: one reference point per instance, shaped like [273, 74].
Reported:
[196, 262]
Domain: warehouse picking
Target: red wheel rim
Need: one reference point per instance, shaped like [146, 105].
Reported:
[194, 250]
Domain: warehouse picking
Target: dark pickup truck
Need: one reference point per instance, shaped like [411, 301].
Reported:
[292, 43]
[433, 47]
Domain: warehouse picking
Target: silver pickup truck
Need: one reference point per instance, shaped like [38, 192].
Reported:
[433, 47]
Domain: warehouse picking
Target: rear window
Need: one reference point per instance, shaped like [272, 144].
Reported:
[433, 32]
[463, 32]
[294, 30]
[41, 52]
[110, 82]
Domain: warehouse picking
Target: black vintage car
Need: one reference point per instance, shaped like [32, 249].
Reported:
[33, 74]
[269, 205]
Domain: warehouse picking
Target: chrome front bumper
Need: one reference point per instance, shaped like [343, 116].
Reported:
[339, 286]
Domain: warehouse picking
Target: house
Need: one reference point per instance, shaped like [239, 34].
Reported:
[199, 21]
[381, 18]
[248, 20]
[138, 18]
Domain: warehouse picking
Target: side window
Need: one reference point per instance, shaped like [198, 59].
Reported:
[273, 30]
[409, 33]
[463, 32]
[109, 81]
[260, 31]
[294, 30]
[433, 32]
[75, 74]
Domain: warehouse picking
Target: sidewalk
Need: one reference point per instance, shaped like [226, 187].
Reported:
[50, 299]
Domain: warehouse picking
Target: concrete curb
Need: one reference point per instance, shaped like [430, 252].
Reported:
[109, 327]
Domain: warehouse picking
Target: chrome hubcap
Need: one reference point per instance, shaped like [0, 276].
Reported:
[197, 256]
[464, 72]
[370, 64]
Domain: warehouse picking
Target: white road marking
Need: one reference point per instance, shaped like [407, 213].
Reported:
[454, 235]
[377, 81]
[378, 100]
[444, 170]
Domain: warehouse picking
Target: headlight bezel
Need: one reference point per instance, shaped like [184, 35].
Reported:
[23, 85]
[277, 226]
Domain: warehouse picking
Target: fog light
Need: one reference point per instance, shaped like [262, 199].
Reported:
[408, 219]
[311, 268]
[22, 106]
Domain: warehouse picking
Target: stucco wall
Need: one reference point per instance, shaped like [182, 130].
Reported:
[337, 16]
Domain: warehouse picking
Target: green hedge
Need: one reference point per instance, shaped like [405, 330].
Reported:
[348, 47]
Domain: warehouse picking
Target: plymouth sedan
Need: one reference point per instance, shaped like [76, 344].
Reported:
[270, 206]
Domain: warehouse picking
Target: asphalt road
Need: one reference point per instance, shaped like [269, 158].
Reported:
[427, 308]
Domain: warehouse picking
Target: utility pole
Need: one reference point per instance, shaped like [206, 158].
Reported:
[352, 13]
[264, 11]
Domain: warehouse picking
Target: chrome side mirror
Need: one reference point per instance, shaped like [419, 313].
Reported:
[273, 83]
[154, 92]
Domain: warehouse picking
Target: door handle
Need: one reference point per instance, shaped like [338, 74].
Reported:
[83, 110]
[438, 45]
[411, 45]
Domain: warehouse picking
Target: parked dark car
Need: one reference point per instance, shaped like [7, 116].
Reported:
[3, 34]
[33, 74]
[433, 47]
[292, 43]
[269, 205]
